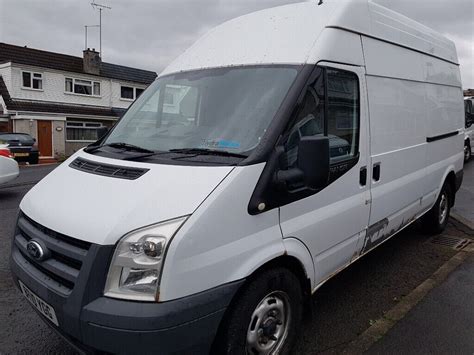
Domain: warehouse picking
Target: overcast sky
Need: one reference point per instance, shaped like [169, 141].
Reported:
[149, 34]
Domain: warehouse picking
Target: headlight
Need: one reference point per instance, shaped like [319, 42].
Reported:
[135, 269]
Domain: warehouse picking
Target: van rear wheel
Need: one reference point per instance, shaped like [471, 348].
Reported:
[265, 318]
[436, 220]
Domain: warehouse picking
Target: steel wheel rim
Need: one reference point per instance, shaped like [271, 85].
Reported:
[269, 324]
[466, 153]
[443, 208]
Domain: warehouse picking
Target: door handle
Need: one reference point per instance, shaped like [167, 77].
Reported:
[363, 176]
[376, 172]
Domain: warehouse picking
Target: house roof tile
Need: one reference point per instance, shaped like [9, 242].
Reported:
[69, 63]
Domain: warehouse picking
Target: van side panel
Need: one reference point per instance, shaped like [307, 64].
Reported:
[388, 60]
[445, 115]
[398, 143]
[440, 109]
[411, 97]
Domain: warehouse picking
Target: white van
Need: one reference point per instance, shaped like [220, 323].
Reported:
[469, 134]
[276, 151]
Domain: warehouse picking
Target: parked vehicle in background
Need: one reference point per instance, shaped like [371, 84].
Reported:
[469, 134]
[8, 166]
[22, 146]
[205, 219]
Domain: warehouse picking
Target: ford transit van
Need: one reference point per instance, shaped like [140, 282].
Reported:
[280, 148]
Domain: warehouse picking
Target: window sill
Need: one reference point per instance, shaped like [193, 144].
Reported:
[31, 89]
[82, 95]
[127, 100]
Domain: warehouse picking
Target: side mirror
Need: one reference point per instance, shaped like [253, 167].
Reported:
[101, 132]
[312, 166]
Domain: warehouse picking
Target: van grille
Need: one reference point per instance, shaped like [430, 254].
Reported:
[61, 268]
[120, 172]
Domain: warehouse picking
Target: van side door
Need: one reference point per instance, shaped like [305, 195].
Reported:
[398, 155]
[332, 221]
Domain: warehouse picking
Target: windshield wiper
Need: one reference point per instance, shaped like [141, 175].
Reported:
[204, 151]
[125, 146]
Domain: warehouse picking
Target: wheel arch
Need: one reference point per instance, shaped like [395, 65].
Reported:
[450, 179]
[297, 259]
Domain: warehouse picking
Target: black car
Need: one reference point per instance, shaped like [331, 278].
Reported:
[22, 146]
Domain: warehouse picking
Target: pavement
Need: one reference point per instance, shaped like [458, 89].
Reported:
[344, 308]
[443, 321]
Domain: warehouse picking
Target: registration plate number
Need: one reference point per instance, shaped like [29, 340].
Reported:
[44, 308]
[21, 154]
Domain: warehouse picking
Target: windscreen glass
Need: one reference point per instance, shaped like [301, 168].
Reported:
[219, 109]
[23, 138]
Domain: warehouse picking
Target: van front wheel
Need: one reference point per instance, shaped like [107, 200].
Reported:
[265, 318]
[436, 220]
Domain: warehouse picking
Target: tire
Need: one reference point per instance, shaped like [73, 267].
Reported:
[33, 161]
[467, 152]
[269, 305]
[436, 220]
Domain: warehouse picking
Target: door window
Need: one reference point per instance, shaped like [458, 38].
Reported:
[330, 108]
[343, 114]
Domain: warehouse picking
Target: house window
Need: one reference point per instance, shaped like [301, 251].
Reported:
[82, 87]
[169, 97]
[130, 93]
[82, 131]
[32, 80]
[138, 92]
[126, 92]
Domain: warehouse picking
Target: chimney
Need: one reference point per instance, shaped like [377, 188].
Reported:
[91, 61]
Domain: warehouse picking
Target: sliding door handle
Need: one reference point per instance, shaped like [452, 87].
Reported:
[363, 176]
[376, 172]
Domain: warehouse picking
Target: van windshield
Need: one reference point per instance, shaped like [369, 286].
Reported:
[214, 109]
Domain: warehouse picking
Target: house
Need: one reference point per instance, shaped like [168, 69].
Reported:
[62, 100]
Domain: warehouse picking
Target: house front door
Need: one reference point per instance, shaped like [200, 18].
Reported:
[45, 142]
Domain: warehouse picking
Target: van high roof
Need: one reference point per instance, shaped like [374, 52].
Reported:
[288, 35]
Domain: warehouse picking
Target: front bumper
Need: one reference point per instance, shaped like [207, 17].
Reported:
[92, 322]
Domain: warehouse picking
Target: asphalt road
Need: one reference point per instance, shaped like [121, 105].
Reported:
[343, 308]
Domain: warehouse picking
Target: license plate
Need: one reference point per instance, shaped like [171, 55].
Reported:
[44, 308]
[21, 154]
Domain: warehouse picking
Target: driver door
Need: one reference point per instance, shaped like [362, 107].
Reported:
[332, 222]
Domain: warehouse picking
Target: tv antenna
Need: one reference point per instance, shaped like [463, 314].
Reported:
[86, 27]
[100, 8]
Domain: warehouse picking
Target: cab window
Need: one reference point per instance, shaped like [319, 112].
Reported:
[330, 108]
